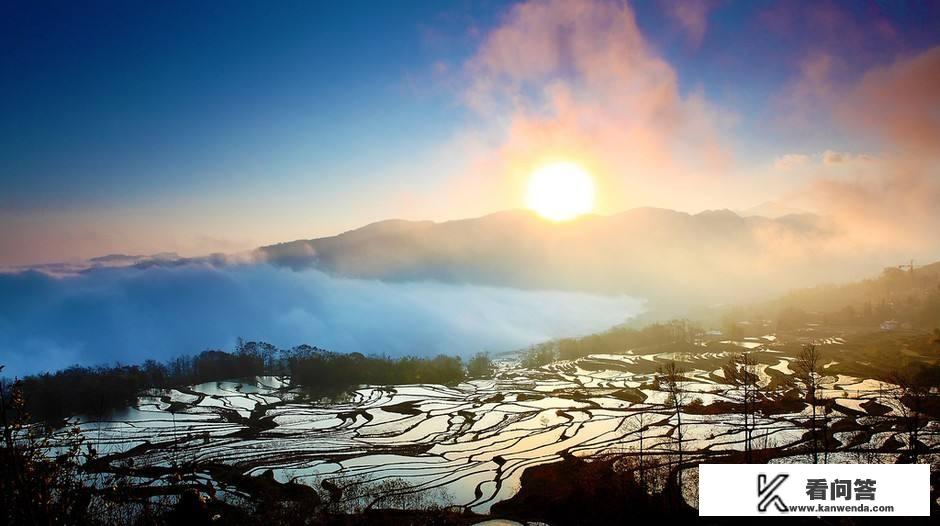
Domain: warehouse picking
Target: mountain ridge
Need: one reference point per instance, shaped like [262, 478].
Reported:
[647, 250]
[672, 258]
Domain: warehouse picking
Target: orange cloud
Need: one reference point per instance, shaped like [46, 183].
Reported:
[888, 202]
[900, 103]
[577, 79]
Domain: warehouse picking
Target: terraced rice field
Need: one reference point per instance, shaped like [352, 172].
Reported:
[468, 445]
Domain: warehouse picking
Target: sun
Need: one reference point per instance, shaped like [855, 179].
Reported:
[560, 191]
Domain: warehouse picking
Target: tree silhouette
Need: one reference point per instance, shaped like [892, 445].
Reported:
[807, 370]
[741, 373]
[671, 380]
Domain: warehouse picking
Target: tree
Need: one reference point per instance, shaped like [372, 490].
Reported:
[910, 398]
[538, 355]
[480, 366]
[36, 487]
[741, 373]
[671, 379]
[639, 424]
[808, 371]
[865, 451]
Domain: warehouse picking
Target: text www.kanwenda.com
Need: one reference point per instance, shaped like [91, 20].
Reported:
[859, 508]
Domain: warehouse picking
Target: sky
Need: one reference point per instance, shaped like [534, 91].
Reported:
[199, 127]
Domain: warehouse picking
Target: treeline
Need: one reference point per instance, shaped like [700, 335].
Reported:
[918, 312]
[906, 296]
[613, 341]
[331, 371]
[98, 390]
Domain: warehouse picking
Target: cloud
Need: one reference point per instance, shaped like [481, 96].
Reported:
[893, 210]
[691, 16]
[840, 28]
[880, 204]
[577, 80]
[827, 158]
[887, 201]
[808, 99]
[894, 104]
[161, 311]
[900, 103]
[890, 200]
[791, 161]
[831, 157]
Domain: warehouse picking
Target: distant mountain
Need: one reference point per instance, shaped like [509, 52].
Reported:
[66, 268]
[674, 259]
[125, 259]
[660, 254]
[771, 209]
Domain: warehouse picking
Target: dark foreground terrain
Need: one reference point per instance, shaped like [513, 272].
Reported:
[598, 439]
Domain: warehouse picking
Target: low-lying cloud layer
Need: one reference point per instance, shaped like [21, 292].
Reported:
[132, 314]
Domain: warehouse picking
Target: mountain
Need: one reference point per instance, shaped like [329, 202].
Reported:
[716, 255]
[771, 209]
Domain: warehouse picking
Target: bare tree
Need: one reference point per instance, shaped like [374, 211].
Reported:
[909, 400]
[864, 450]
[671, 379]
[639, 424]
[824, 433]
[741, 373]
[807, 370]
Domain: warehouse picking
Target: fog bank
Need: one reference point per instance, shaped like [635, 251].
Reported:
[132, 314]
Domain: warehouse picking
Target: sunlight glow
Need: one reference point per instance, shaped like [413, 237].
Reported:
[560, 191]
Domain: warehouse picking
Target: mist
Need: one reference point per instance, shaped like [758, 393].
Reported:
[131, 314]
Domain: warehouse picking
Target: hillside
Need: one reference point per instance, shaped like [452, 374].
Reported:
[655, 253]
[909, 298]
